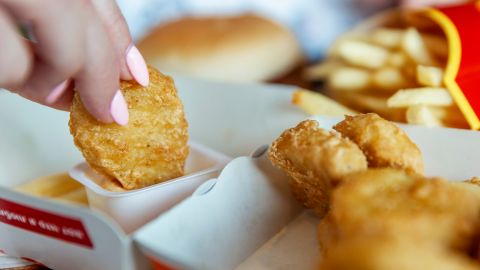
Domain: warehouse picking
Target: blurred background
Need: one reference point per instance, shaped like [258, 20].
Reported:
[241, 40]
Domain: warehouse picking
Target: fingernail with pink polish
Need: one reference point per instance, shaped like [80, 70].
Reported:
[137, 66]
[57, 92]
[119, 109]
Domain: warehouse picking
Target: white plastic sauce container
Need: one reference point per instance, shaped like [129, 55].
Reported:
[132, 209]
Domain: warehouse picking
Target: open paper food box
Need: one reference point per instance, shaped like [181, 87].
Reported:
[232, 209]
[239, 217]
[52, 230]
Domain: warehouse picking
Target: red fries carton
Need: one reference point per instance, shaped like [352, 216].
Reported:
[460, 25]
[462, 76]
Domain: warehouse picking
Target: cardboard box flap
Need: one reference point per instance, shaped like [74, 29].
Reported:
[214, 230]
[242, 116]
[34, 141]
[447, 152]
[450, 153]
[294, 247]
[229, 229]
[83, 238]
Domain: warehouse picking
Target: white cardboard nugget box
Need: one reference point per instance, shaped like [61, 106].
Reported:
[244, 219]
[34, 142]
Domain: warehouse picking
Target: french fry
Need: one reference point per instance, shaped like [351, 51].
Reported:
[429, 76]
[388, 37]
[405, 60]
[389, 79]
[410, 71]
[349, 79]
[50, 186]
[415, 48]
[419, 21]
[437, 45]
[422, 115]
[450, 116]
[367, 103]
[436, 115]
[425, 95]
[348, 36]
[397, 59]
[58, 187]
[362, 54]
[318, 104]
[320, 71]
[76, 196]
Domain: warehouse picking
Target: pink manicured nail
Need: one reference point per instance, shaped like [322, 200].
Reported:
[137, 66]
[57, 92]
[119, 109]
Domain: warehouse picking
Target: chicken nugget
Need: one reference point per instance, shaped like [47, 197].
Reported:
[315, 160]
[383, 143]
[112, 185]
[381, 254]
[393, 204]
[471, 185]
[153, 146]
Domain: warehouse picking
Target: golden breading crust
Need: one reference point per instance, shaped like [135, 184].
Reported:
[384, 254]
[153, 146]
[112, 185]
[315, 160]
[471, 185]
[388, 203]
[383, 143]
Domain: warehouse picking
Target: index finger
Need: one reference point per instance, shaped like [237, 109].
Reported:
[131, 62]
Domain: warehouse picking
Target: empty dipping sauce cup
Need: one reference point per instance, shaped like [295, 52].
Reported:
[133, 208]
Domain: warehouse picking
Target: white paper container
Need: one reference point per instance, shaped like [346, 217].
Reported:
[132, 209]
[247, 218]
[28, 130]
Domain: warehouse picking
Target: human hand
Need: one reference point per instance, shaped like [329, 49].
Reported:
[81, 44]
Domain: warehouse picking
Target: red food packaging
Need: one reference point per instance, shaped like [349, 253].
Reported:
[462, 75]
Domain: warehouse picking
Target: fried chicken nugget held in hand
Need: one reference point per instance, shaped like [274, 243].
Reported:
[315, 160]
[112, 185]
[392, 204]
[383, 143]
[151, 148]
